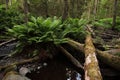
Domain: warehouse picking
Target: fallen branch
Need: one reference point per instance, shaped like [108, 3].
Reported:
[71, 58]
[103, 56]
[92, 70]
[21, 62]
[3, 43]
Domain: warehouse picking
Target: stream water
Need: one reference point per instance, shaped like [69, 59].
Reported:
[55, 69]
[60, 68]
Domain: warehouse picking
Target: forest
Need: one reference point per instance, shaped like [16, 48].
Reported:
[59, 39]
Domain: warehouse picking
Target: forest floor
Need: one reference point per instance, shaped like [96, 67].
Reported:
[104, 39]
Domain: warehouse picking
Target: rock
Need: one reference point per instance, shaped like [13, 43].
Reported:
[23, 71]
[13, 75]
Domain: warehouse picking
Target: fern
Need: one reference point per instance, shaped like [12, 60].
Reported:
[107, 23]
[9, 18]
[39, 30]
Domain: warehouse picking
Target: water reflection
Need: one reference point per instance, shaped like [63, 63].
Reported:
[72, 75]
[53, 70]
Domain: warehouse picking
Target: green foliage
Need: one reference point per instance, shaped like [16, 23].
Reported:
[107, 23]
[52, 30]
[9, 18]
[76, 27]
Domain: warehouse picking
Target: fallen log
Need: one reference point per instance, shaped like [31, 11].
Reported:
[76, 45]
[109, 59]
[91, 67]
[113, 51]
[71, 58]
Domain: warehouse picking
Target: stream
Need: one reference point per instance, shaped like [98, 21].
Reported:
[58, 68]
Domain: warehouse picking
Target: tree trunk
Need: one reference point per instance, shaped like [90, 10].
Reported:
[72, 9]
[7, 1]
[92, 71]
[26, 10]
[95, 8]
[65, 12]
[10, 2]
[45, 2]
[109, 59]
[114, 14]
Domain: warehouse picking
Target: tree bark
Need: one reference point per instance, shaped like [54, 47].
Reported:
[95, 8]
[46, 10]
[113, 51]
[109, 59]
[65, 12]
[92, 71]
[7, 1]
[114, 14]
[26, 10]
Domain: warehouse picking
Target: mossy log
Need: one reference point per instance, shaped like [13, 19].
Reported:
[109, 59]
[113, 51]
[91, 67]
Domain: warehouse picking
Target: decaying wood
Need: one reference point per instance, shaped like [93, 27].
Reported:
[113, 51]
[71, 58]
[21, 62]
[76, 45]
[109, 59]
[7, 42]
[91, 67]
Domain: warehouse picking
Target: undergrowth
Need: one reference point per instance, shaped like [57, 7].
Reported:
[9, 18]
[107, 23]
[53, 30]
